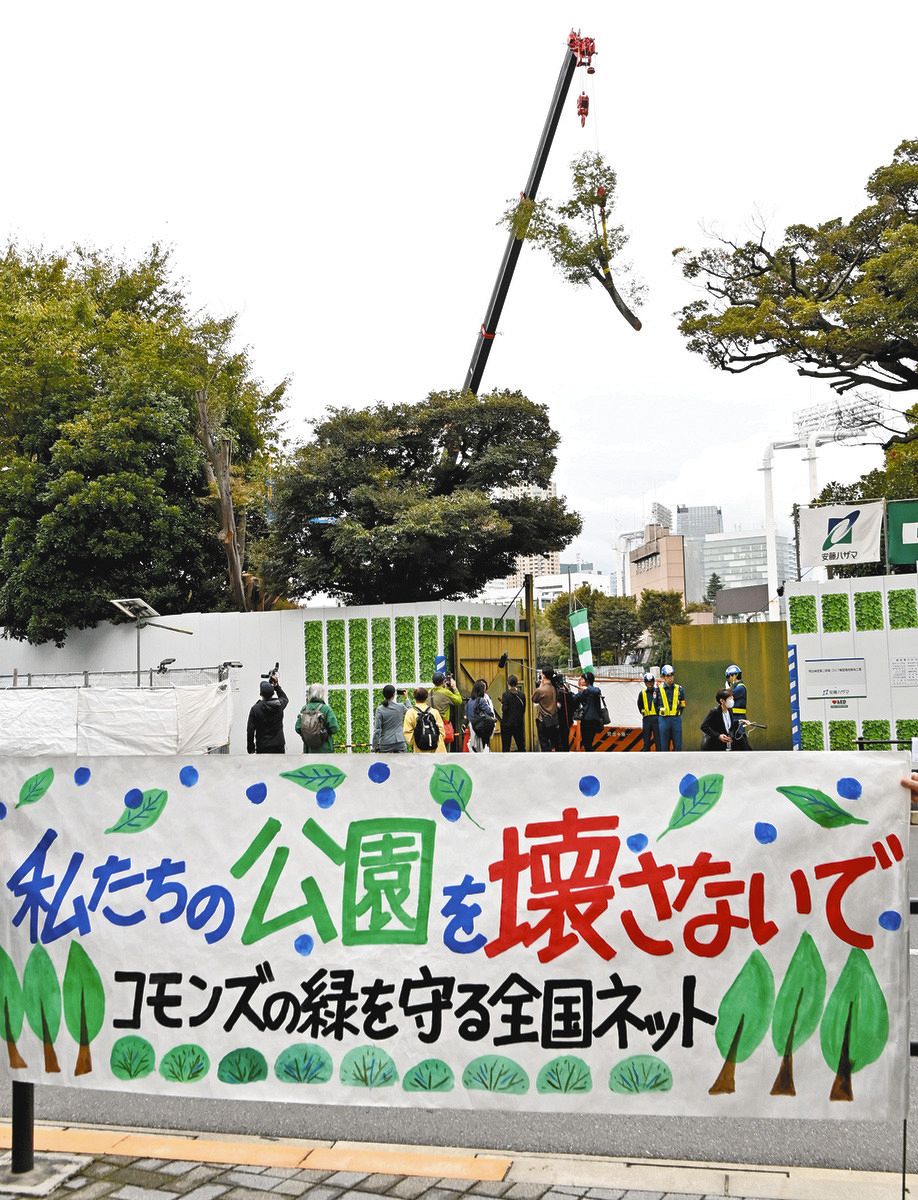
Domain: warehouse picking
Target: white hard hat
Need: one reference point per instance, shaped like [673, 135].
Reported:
[648, 677]
[666, 669]
[733, 669]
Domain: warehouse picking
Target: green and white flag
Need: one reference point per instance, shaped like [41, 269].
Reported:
[581, 627]
[902, 530]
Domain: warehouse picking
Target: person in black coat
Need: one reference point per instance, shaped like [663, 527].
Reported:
[720, 727]
[265, 729]
[589, 702]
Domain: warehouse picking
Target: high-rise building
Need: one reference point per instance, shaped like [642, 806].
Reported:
[661, 515]
[548, 563]
[698, 520]
[739, 559]
[658, 564]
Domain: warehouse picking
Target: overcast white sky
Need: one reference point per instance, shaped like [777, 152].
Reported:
[334, 174]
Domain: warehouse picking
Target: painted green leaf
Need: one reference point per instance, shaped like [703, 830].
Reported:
[315, 777]
[244, 1065]
[640, 1073]
[184, 1064]
[35, 787]
[452, 783]
[493, 1073]
[41, 993]
[303, 1063]
[132, 1058]
[565, 1075]
[693, 807]
[369, 1067]
[147, 813]
[819, 807]
[84, 1003]
[11, 1009]
[800, 999]
[745, 1011]
[855, 1025]
[431, 1075]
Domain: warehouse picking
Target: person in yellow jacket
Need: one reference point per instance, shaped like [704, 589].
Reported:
[423, 726]
[649, 707]
[672, 706]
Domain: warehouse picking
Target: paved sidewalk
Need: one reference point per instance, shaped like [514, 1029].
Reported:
[125, 1164]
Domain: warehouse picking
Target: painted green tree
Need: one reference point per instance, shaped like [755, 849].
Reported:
[42, 996]
[798, 1008]
[84, 1004]
[743, 1018]
[855, 1025]
[13, 1011]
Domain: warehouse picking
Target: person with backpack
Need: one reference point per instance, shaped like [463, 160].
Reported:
[512, 716]
[265, 730]
[481, 717]
[389, 724]
[423, 726]
[317, 723]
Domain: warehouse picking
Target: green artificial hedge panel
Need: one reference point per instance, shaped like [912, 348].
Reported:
[802, 611]
[906, 730]
[315, 662]
[836, 613]
[811, 735]
[427, 645]
[842, 735]
[381, 635]
[878, 730]
[868, 610]
[337, 702]
[405, 670]
[334, 632]
[357, 650]
[360, 719]
[463, 622]
[449, 634]
[510, 623]
[903, 610]
[487, 623]
[475, 623]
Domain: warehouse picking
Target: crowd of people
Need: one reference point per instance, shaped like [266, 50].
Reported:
[440, 720]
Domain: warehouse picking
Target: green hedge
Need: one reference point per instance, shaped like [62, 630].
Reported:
[381, 635]
[842, 735]
[868, 610]
[836, 613]
[360, 719]
[337, 702]
[487, 623]
[357, 650]
[334, 632]
[903, 610]
[510, 623]
[802, 611]
[878, 730]
[449, 634]
[811, 735]
[427, 645]
[463, 622]
[405, 670]
[315, 661]
[475, 623]
[906, 730]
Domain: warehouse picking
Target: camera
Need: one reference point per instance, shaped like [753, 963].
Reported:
[271, 675]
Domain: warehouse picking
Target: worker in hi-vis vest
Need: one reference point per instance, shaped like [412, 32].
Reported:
[672, 705]
[648, 703]
[734, 680]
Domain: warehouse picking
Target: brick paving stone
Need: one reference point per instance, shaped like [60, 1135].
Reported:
[605, 1194]
[178, 1168]
[140, 1179]
[489, 1187]
[117, 1160]
[564, 1190]
[77, 1181]
[308, 1176]
[558, 1194]
[346, 1179]
[296, 1187]
[282, 1172]
[149, 1164]
[439, 1193]
[527, 1191]
[244, 1193]
[207, 1191]
[241, 1178]
[97, 1170]
[633, 1195]
[378, 1184]
[132, 1192]
[412, 1187]
[94, 1190]
[183, 1184]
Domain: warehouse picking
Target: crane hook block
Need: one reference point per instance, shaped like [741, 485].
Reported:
[583, 107]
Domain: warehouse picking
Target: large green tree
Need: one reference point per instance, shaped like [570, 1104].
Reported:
[838, 299]
[659, 611]
[615, 626]
[416, 501]
[128, 426]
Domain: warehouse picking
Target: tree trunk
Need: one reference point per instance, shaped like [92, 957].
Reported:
[17, 1062]
[52, 1066]
[217, 469]
[841, 1086]
[784, 1080]
[84, 1057]
[726, 1080]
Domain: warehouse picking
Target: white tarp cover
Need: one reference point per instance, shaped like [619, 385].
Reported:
[630, 934]
[95, 721]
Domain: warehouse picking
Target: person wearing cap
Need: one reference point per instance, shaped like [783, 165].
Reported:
[733, 677]
[648, 704]
[672, 706]
[265, 729]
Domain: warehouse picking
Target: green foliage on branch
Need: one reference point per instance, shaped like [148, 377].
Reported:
[397, 503]
[615, 625]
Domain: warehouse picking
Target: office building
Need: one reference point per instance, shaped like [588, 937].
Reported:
[548, 563]
[698, 520]
[739, 559]
[659, 564]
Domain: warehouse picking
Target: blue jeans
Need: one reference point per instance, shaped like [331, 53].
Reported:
[670, 727]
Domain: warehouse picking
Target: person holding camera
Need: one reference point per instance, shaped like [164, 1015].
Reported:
[265, 729]
[443, 695]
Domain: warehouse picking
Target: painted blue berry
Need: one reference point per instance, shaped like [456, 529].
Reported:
[637, 842]
[765, 833]
[188, 776]
[379, 772]
[257, 792]
[688, 786]
[2, 811]
[451, 809]
[849, 789]
[304, 944]
[82, 775]
[325, 797]
[890, 920]
[589, 785]
[133, 798]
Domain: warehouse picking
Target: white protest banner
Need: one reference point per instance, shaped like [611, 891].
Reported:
[633, 934]
[833, 535]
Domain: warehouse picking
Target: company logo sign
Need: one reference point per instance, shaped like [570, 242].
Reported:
[841, 530]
